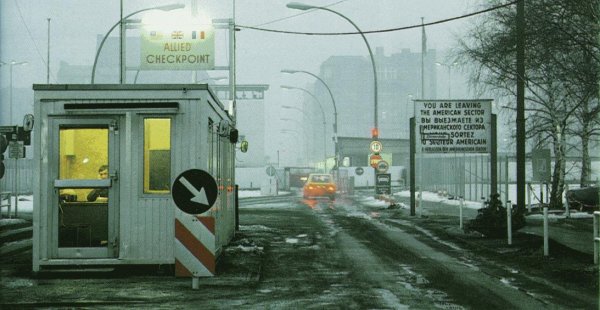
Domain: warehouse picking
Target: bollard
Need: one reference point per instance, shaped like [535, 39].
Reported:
[567, 210]
[596, 237]
[529, 197]
[509, 221]
[420, 204]
[546, 231]
[460, 212]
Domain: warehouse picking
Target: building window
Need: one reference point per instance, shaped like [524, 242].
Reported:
[157, 155]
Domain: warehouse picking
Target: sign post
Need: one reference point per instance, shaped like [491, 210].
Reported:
[383, 184]
[194, 192]
[453, 126]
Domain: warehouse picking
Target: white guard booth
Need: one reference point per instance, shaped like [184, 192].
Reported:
[106, 157]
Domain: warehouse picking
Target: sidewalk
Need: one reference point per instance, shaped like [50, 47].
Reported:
[575, 232]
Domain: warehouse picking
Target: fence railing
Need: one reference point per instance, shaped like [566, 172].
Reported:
[24, 178]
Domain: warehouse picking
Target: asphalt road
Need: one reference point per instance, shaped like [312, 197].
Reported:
[298, 254]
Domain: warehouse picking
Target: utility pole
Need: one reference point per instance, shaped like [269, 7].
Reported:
[521, 104]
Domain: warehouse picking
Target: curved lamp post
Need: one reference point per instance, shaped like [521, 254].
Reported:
[322, 113]
[335, 140]
[168, 7]
[449, 66]
[304, 7]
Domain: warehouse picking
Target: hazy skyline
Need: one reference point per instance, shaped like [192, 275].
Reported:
[261, 55]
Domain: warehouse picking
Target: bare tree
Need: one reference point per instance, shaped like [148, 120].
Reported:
[561, 72]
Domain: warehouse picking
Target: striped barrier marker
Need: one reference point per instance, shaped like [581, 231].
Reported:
[194, 192]
[194, 246]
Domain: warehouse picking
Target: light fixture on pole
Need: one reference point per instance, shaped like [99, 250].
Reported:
[168, 7]
[10, 95]
[304, 7]
[322, 113]
[335, 139]
[449, 66]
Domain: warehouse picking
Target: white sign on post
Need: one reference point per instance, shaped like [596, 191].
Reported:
[177, 49]
[448, 126]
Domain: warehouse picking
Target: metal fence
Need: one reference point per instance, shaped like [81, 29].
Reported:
[24, 176]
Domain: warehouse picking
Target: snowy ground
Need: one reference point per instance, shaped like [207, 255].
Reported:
[26, 203]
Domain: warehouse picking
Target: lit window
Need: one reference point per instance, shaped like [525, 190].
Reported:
[157, 155]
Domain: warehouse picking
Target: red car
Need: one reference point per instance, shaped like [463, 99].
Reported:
[319, 185]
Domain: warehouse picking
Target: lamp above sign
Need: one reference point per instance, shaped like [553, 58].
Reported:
[192, 48]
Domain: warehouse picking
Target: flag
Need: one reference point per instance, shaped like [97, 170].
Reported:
[177, 35]
[195, 35]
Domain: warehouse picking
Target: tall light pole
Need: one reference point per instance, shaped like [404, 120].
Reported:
[304, 7]
[335, 126]
[10, 95]
[322, 113]
[306, 115]
[449, 66]
[168, 7]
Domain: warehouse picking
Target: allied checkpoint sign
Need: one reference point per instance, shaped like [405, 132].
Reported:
[184, 48]
[449, 126]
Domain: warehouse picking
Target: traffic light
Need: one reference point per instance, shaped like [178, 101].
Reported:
[375, 133]
[3, 146]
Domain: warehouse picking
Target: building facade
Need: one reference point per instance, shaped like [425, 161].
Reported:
[350, 79]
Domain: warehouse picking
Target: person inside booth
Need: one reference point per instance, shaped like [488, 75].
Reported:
[100, 194]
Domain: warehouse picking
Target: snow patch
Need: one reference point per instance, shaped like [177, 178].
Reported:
[17, 283]
[390, 300]
[372, 202]
[359, 215]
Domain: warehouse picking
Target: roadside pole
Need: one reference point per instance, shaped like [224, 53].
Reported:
[546, 231]
[596, 237]
[460, 212]
[529, 197]
[412, 167]
[506, 187]
[509, 221]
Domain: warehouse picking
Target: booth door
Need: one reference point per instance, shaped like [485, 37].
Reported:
[86, 195]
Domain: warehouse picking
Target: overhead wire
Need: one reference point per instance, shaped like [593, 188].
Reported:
[381, 30]
[296, 15]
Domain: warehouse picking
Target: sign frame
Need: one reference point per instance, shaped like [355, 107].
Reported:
[189, 47]
[383, 187]
[453, 126]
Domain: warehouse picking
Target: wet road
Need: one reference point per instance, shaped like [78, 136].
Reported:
[295, 254]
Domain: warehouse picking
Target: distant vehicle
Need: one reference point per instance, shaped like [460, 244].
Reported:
[319, 185]
[583, 199]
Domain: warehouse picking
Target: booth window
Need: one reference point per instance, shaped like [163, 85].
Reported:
[157, 155]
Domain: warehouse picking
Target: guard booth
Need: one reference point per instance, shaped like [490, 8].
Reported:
[126, 144]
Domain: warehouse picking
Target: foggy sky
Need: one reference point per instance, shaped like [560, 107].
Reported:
[260, 55]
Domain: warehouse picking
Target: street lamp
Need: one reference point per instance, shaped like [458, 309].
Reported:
[10, 96]
[322, 113]
[449, 66]
[304, 7]
[335, 139]
[168, 7]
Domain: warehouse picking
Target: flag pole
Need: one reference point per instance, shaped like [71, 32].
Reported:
[423, 51]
